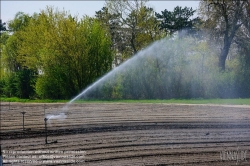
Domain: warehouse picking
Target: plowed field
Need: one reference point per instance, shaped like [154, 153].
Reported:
[126, 134]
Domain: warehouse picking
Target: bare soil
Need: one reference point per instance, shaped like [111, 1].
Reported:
[127, 134]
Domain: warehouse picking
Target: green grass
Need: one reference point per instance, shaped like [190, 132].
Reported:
[174, 101]
[15, 99]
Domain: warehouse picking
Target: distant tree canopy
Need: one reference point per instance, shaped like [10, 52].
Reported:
[2, 26]
[224, 19]
[178, 19]
[136, 24]
[20, 21]
[69, 53]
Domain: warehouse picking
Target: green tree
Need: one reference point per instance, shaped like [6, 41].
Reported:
[20, 21]
[70, 53]
[10, 54]
[12, 42]
[2, 26]
[242, 40]
[137, 21]
[3, 39]
[143, 25]
[223, 19]
[179, 19]
[113, 25]
[18, 80]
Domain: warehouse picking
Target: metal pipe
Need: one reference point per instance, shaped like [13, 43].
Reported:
[23, 118]
[46, 134]
[1, 157]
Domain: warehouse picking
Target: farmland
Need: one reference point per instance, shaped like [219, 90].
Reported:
[128, 133]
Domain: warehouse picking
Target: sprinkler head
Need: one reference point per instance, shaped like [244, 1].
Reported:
[45, 119]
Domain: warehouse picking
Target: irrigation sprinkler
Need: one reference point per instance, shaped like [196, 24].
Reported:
[45, 128]
[45, 125]
[23, 118]
[46, 134]
[44, 110]
[1, 158]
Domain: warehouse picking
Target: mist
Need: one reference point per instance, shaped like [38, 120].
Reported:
[176, 67]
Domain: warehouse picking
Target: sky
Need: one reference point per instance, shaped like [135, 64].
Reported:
[9, 8]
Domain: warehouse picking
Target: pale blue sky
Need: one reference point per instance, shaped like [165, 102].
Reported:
[10, 8]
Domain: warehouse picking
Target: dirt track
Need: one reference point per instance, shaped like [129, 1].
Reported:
[130, 134]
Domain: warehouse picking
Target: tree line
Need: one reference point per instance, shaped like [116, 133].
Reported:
[52, 54]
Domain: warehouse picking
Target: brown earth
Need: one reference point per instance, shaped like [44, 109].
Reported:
[126, 134]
